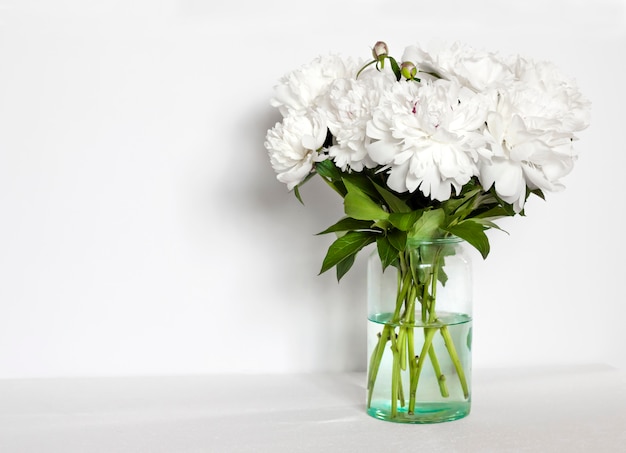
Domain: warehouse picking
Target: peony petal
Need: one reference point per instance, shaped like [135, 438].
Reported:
[506, 176]
[382, 152]
[397, 178]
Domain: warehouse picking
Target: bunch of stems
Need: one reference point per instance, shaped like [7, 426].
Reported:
[417, 283]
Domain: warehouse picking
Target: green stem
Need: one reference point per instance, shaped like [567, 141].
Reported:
[409, 313]
[429, 307]
[432, 316]
[401, 346]
[447, 338]
[410, 338]
[428, 339]
[368, 64]
[406, 284]
[388, 334]
[441, 378]
[395, 378]
[425, 303]
[374, 364]
[377, 356]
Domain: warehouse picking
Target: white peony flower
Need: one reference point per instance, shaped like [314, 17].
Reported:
[429, 137]
[547, 99]
[293, 146]
[477, 70]
[523, 156]
[531, 133]
[303, 88]
[349, 108]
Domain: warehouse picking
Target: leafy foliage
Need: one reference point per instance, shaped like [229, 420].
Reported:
[376, 214]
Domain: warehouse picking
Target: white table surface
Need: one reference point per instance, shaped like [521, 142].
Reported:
[552, 409]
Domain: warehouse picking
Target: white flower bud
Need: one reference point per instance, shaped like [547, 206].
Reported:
[380, 49]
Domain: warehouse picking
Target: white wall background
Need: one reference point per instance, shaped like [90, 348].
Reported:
[142, 230]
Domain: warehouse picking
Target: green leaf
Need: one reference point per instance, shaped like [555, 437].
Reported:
[344, 266]
[539, 193]
[428, 224]
[347, 224]
[382, 224]
[345, 246]
[361, 182]
[337, 186]
[396, 68]
[296, 192]
[474, 233]
[493, 213]
[453, 204]
[331, 175]
[296, 189]
[397, 239]
[328, 169]
[359, 206]
[387, 253]
[395, 203]
[488, 224]
[507, 207]
[404, 221]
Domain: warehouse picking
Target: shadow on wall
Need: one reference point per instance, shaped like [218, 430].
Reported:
[282, 230]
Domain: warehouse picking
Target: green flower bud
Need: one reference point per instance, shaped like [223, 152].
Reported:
[408, 70]
[380, 49]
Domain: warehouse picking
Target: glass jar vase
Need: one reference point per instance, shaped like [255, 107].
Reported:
[420, 333]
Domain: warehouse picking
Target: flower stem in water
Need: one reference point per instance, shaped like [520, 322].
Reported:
[447, 338]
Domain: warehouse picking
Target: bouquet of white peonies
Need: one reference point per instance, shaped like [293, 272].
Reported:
[423, 151]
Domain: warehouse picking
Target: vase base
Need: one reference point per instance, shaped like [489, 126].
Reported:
[425, 413]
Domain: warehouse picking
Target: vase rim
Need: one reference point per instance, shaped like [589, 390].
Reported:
[434, 240]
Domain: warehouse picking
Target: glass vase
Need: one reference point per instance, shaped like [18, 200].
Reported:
[420, 333]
